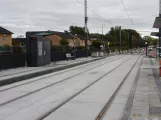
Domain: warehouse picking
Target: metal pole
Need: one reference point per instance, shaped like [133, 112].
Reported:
[86, 20]
[103, 38]
[146, 44]
[120, 41]
[160, 33]
[160, 40]
[128, 42]
[131, 43]
[102, 31]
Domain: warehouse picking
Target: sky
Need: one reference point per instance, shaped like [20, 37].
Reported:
[20, 16]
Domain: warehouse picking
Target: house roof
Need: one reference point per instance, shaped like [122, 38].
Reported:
[43, 34]
[47, 33]
[63, 35]
[5, 31]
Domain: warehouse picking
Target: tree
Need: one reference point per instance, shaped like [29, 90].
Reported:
[152, 41]
[96, 44]
[64, 42]
[65, 31]
[133, 41]
[77, 30]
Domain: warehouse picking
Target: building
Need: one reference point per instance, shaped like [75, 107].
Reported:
[56, 37]
[5, 37]
[18, 41]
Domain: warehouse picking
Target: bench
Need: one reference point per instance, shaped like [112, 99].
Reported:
[68, 56]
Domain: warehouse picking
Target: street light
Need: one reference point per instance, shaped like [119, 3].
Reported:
[146, 44]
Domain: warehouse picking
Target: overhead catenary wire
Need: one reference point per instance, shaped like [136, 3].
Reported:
[127, 13]
[103, 19]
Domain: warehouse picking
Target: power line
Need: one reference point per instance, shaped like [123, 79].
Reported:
[127, 13]
[95, 13]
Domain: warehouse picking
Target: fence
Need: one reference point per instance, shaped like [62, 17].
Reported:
[80, 54]
[58, 56]
[8, 61]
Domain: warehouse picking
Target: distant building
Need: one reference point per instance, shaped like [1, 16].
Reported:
[18, 41]
[5, 37]
[56, 37]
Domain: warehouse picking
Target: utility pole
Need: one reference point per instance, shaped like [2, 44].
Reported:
[103, 37]
[128, 42]
[146, 45]
[102, 30]
[120, 41]
[131, 44]
[86, 30]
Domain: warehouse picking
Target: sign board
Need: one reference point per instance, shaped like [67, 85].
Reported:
[108, 44]
[39, 48]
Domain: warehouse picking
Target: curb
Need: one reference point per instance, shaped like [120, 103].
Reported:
[40, 73]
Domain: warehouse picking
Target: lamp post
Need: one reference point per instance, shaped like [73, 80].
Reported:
[146, 45]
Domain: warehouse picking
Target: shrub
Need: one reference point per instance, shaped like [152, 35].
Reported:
[5, 48]
[55, 48]
[80, 48]
[66, 48]
[64, 42]
[96, 44]
[17, 49]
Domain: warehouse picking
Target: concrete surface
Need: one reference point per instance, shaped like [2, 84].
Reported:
[19, 74]
[146, 101]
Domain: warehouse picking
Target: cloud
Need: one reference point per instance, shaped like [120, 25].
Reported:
[20, 16]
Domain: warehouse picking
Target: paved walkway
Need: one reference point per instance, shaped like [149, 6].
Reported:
[147, 103]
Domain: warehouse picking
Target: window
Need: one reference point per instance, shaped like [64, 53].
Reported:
[4, 35]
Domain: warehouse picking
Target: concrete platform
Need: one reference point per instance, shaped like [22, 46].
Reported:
[19, 74]
[35, 105]
[147, 103]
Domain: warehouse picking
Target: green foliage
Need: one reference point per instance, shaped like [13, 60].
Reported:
[80, 48]
[77, 30]
[64, 42]
[5, 48]
[133, 41]
[55, 48]
[66, 48]
[130, 38]
[96, 43]
[96, 35]
[65, 31]
[152, 41]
